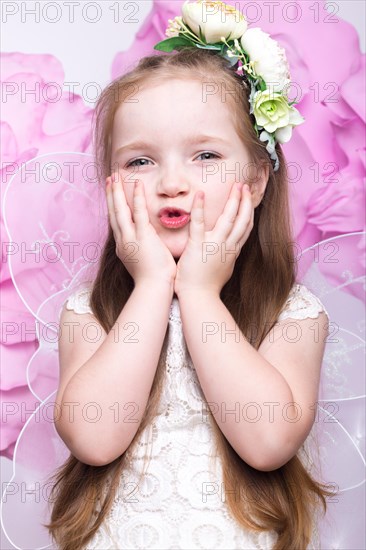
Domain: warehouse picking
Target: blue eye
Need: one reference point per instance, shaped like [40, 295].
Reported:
[208, 153]
[132, 163]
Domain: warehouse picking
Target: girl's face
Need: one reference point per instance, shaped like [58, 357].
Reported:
[177, 138]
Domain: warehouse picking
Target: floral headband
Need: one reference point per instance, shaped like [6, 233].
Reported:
[218, 26]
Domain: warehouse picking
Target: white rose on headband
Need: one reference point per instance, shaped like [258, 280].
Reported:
[268, 58]
[283, 135]
[216, 19]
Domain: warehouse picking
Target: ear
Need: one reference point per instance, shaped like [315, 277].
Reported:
[258, 183]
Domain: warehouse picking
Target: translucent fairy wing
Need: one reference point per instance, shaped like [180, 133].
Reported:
[39, 451]
[54, 249]
[339, 431]
[44, 364]
[55, 215]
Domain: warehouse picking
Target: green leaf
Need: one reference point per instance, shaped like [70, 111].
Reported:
[202, 38]
[262, 86]
[208, 47]
[172, 43]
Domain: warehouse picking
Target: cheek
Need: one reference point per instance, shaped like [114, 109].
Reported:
[216, 204]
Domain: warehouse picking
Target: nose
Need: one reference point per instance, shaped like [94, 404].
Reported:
[173, 180]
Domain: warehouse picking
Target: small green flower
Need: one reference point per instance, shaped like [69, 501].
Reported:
[271, 110]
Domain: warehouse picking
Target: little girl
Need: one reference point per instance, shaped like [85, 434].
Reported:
[206, 365]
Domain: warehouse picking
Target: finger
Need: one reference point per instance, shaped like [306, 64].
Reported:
[226, 220]
[110, 205]
[197, 225]
[244, 220]
[140, 213]
[121, 210]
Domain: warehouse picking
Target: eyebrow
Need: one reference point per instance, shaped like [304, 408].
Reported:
[194, 140]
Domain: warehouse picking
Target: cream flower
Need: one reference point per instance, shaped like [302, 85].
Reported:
[283, 135]
[216, 19]
[267, 57]
[175, 25]
[271, 110]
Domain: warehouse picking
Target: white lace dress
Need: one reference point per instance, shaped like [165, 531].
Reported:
[180, 504]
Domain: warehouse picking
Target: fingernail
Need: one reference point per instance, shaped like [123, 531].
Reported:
[114, 177]
[239, 185]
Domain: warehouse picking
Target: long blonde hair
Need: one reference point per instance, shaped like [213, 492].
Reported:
[259, 286]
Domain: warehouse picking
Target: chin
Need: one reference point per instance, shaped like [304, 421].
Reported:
[176, 245]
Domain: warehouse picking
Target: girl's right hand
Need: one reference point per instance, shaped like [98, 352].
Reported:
[138, 246]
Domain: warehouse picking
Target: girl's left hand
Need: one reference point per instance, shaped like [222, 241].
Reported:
[208, 260]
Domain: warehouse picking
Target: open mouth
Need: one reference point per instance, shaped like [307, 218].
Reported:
[174, 219]
[174, 214]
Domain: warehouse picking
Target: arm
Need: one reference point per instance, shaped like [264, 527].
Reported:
[117, 376]
[233, 375]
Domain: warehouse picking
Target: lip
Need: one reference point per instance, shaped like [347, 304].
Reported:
[180, 219]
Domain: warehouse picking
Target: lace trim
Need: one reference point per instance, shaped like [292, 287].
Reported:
[301, 304]
[80, 301]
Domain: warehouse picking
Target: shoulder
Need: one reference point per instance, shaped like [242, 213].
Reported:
[79, 300]
[76, 315]
[302, 304]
